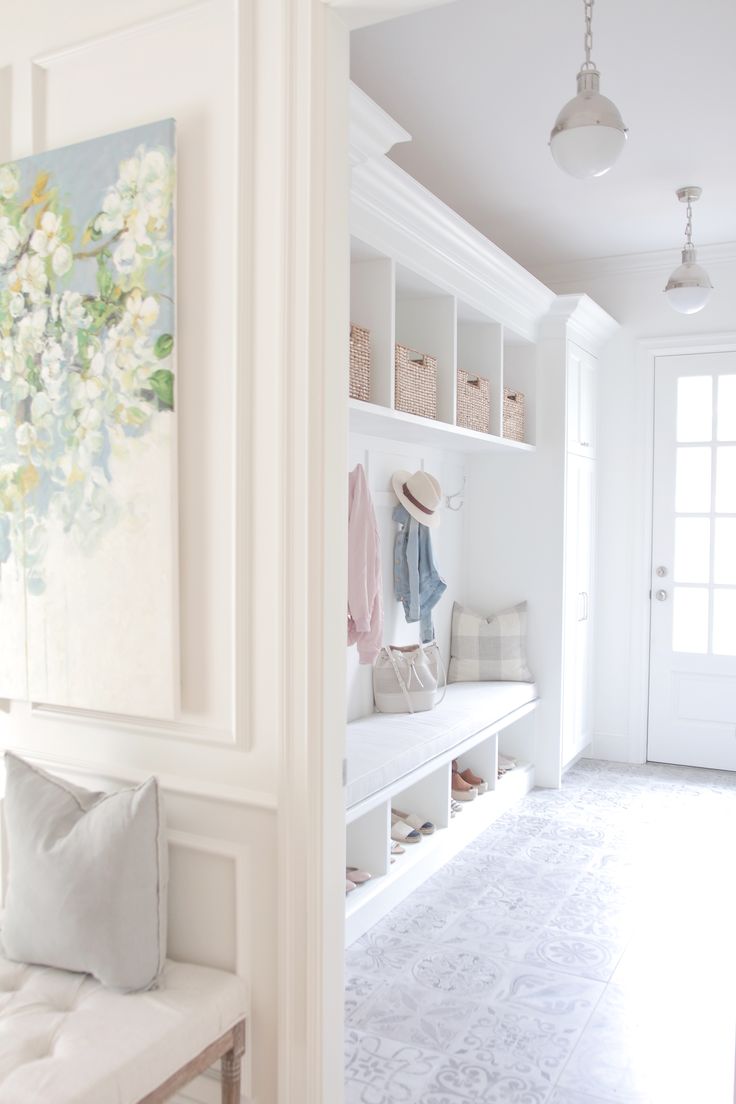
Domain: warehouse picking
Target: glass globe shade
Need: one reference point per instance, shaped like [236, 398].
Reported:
[587, 151]
[589, 133]
[689, 287]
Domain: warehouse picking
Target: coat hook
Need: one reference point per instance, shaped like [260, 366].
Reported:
[458, 494]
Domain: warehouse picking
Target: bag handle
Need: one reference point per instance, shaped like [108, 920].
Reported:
[399, 679]
[444, 674]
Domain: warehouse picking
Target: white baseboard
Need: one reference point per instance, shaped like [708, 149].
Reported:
[613, 747]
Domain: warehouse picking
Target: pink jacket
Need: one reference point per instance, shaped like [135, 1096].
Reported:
[365, 585]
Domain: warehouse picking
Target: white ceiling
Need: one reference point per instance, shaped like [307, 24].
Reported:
[478, 84]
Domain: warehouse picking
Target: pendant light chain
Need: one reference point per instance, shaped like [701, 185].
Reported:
[689, 225]
[588, 39]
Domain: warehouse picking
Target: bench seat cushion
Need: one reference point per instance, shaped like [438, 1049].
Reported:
[67, 1040]
[382, 748]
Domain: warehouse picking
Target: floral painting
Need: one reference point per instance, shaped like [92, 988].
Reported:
[87, 434]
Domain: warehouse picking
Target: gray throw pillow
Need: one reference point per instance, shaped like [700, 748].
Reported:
[87, 877]
[489, 649]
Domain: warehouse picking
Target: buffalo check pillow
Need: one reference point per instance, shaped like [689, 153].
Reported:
[489, 649]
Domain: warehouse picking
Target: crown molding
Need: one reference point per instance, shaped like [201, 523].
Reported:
[567, 273]
[363, 13]
[395, 214]
[372, 132]
[579, 318]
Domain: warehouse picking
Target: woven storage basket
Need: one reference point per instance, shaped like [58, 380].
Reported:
[473, 401]
[513, 414]
[416, 382]
[360, 363]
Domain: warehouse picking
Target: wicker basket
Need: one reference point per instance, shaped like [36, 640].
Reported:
[416, 382]
[360, 363]
[513, 414]
[473, 401]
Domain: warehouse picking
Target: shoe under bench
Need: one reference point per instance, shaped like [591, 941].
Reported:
[404, 761]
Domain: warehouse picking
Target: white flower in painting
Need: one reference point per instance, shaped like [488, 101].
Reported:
[90, 417]
[41, 410]
[16, 304]
[47, 238]
[9, 180]
[51, 360]
[4, 420]
[30, 277]
[30, 335]
[9, 240]
[140, 313]
[125, 257]
[112, 217]
[72, 313]
[7, 359]
[129, 170]
[25, 437]
[62, 260]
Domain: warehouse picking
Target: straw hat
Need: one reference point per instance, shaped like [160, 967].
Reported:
[420, 494]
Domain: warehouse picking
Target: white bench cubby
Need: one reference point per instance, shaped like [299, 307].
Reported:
[414, 771]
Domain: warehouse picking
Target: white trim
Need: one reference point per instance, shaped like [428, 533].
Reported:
[395, 214]
[372, 131]
[576, 317]
[121, 776]
[646, 354]
[363, 13]
[600, 268]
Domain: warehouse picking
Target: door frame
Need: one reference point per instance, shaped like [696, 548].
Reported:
[647, 351]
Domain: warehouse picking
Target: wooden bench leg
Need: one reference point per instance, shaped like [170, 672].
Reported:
[230, 1067]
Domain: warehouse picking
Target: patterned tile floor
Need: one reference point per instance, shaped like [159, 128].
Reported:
[581, 951]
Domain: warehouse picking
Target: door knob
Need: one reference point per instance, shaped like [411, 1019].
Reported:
[661, 595]
[661, 571]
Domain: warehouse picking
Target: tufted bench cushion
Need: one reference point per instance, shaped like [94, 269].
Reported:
[64, 1039]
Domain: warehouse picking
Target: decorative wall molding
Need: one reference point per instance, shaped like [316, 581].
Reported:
[44, 60]
[372, 131]
[567, 273]
[579, 318]
[119, 775]
[362, 13]
[393, 212]
[146, 726]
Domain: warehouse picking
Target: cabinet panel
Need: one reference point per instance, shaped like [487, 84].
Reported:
[581, 401]
[579, 559]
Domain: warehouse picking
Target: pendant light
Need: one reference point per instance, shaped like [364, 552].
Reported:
[689, 287]
[589, 133]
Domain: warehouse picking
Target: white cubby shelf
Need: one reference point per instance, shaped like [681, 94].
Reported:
[379, 421]
[421, 784]
[398, 304]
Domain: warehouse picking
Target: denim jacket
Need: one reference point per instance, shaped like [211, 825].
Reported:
[417, 584]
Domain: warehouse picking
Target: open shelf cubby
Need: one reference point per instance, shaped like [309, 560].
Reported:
[398, 305]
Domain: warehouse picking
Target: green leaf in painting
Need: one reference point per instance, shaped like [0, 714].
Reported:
[104, 279]
[161, 383]
[163, 346]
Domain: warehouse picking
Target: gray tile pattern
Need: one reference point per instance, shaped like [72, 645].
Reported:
[580, 951]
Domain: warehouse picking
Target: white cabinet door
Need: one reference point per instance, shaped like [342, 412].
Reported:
[581, 401]
[579, 537]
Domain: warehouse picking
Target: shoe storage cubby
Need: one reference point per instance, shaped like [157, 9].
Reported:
[427, 793]
[398, 304]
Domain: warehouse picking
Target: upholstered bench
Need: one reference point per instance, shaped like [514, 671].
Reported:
[64, 1039]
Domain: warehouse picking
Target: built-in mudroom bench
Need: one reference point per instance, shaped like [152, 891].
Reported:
[404, 760]
[517, 480]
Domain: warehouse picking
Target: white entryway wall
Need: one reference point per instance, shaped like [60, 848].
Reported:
[251, 768]
[631, 289]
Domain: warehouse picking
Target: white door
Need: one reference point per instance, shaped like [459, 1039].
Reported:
[692, 701]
